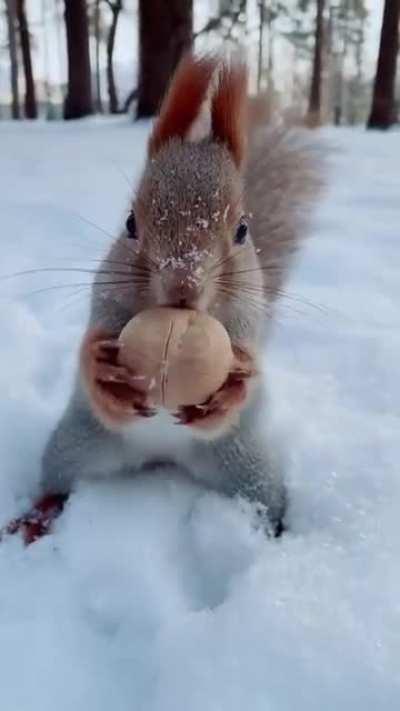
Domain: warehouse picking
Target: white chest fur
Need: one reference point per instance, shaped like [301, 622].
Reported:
[157, 438]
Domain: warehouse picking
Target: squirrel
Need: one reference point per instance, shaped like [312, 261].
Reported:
[217, 216]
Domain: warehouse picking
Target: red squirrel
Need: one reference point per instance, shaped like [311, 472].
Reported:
[212, 226]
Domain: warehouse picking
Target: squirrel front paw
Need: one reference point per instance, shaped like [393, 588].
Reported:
[110, 387]
[38, 521]
[221, 410]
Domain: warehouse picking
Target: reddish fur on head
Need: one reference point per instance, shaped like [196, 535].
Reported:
[229, 109]
[186, 95]
[183, 100]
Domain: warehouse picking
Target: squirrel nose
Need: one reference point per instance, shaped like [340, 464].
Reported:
[182, 291]
[183, 296]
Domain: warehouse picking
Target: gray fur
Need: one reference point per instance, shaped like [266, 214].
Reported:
[181, 209]
[283, 179]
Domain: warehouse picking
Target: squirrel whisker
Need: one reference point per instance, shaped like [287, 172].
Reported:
[93, 285]
[264, 307]
[93, 224]
[126, 246]
[251, 288]
[221, 262]
[103, 260]
[275, 291]
[234, 294]
[261, 268]
[123, 174]
[29, 272]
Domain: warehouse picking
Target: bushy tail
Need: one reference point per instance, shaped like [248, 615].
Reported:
[283, 178]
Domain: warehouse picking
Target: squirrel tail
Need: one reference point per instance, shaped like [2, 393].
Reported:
[283, 177]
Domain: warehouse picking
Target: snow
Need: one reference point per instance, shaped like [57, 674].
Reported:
[156, 595]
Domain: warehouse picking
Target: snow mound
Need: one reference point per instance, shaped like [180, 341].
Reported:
[156, 595]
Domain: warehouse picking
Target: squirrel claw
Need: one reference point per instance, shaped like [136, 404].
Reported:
[220, 411]
[38, 521]
[187, 413]
[107, 349]
[145, 411]
[111, 388]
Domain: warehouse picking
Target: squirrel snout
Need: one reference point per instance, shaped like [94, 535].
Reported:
[183, 295]
[182, 290]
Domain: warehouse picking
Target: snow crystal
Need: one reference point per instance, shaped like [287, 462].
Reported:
[226, 212]
[190, 258]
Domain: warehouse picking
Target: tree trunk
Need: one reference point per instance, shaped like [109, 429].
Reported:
[270, 62]
[261, 11]
[383, 112]
[357, 94]
[116, 8]
[99, 105]
[30, 98]
[78, 101]
[314, 105]
[13, 50]
[165, 33]
[340, 108]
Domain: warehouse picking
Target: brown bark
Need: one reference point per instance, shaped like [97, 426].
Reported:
[261, 11]
[383, 112]
[97, 20]
[13, 50]
[165, 33]
[78, 101]
[115, 8]
[314, 105]
[30, 97]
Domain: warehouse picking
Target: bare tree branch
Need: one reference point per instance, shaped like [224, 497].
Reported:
[215, 22]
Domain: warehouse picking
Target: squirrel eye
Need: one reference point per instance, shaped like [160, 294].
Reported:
[241, 231]
[131, 226]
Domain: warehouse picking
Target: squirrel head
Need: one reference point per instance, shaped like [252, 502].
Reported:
[188, 218]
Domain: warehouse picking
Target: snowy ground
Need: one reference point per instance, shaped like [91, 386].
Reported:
[153, 595]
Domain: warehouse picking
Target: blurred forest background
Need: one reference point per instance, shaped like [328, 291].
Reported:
[314, 60]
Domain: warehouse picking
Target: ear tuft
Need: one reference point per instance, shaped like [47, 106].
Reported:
[229, 109]
[183, 100]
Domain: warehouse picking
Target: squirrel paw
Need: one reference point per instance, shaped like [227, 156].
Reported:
[111, 388]
[37, 522]
[222, 409]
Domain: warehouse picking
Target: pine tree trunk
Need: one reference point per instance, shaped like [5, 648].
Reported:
[30, 98]
[78, 101]
[383, 112]
[270, 63]
[261, 11]
[165, 33]
[314, 105]
[112, 89]
[99, 104]
[13, 50]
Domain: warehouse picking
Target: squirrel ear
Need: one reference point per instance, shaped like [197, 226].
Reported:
[229, 109]
[183, 100]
